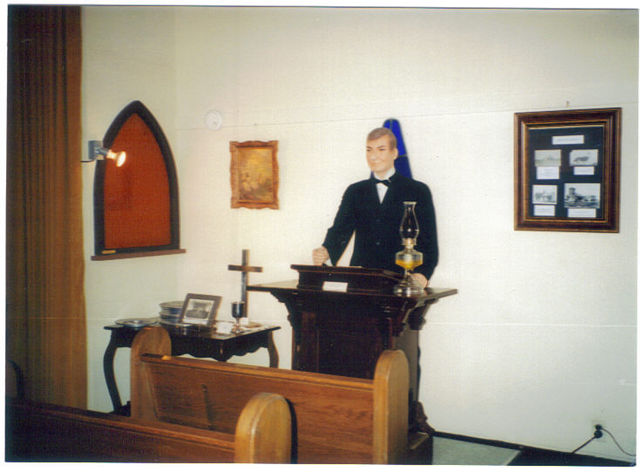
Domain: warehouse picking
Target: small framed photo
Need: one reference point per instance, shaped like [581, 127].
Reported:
[200, 310]
[567, 170]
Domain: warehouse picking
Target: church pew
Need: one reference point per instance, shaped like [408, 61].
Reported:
[38, 432]
[335, 419]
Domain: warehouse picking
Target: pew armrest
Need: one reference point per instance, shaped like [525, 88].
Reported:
[263, 431]
[390, 408]
[153, 340]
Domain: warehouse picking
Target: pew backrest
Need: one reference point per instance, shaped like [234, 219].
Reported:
[53, 433]
[335, 419]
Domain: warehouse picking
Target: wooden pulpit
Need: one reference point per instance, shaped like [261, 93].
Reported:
[344, 317]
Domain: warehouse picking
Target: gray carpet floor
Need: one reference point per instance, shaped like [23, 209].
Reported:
[451, 452]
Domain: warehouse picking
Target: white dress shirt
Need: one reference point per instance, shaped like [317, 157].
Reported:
[382, 188]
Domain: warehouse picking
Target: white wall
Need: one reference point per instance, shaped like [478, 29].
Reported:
[540, 342]
[128, 54]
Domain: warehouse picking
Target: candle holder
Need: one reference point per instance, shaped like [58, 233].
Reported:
[408, 258]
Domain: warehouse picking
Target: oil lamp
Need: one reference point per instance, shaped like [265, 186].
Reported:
[408, 258]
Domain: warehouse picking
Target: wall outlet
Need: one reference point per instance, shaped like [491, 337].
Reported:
[597, 430]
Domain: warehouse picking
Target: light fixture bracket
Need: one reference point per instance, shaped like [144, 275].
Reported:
[96, 151]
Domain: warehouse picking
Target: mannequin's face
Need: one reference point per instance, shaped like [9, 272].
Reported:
[380, 155]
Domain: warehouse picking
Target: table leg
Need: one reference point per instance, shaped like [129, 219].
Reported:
[109, 375]
[274, 360]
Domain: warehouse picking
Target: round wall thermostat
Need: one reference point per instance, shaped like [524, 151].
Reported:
[213, 119]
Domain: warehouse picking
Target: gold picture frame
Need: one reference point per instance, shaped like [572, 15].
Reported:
[254, 174]
[567, 170]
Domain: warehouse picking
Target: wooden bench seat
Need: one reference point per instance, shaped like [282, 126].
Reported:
[335, 419]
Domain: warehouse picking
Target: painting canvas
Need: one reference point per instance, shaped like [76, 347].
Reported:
[254, 174]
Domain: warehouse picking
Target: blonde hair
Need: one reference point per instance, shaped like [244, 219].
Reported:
[380, 132]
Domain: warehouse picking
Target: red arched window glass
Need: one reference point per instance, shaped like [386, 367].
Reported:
[136, 205]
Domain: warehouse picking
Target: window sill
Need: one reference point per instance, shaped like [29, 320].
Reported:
[129, 255]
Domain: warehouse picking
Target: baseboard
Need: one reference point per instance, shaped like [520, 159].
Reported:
[488, 442]
[536, 456]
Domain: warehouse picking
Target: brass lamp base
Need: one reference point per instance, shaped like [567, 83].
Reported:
[407, 287]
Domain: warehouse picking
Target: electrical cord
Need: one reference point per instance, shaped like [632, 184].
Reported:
[616, 442]
[580, 447]
[598, 434]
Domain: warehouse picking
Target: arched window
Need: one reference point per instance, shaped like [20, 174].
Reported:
[136, 205]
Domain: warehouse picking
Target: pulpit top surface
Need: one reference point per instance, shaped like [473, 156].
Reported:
[292, 285]
[356, 280]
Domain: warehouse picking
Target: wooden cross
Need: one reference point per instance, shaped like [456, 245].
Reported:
[245, 268]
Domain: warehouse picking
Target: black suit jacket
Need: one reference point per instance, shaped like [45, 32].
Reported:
[376, 225]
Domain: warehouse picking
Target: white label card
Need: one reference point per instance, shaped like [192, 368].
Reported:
[544, 210]
[576, 139]
[581, 212]
[335, 286]
[548, 173]
[584, 170]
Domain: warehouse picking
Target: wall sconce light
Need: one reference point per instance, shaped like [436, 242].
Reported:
[97, 152]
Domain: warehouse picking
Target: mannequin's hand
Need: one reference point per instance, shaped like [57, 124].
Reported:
[420, 279]
[320, 255]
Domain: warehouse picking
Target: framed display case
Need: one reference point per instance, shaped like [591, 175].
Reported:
[567, 170]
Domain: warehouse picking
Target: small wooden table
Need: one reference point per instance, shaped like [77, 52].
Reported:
[200, 343]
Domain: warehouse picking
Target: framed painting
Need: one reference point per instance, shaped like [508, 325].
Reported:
[254, 174]
[567, 170]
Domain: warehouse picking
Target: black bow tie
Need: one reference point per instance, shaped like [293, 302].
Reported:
[386, 182]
